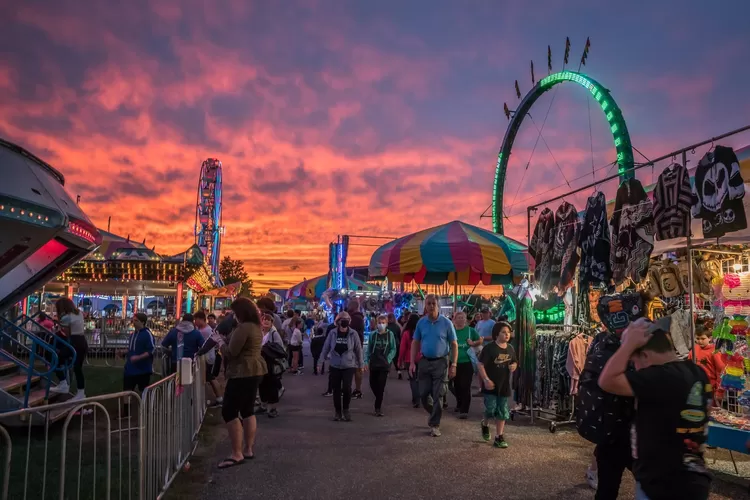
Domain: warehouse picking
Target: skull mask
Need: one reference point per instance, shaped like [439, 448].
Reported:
[715, 187]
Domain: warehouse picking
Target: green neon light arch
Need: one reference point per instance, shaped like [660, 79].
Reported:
[610, 109]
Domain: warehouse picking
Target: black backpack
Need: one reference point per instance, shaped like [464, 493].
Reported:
[601, 417]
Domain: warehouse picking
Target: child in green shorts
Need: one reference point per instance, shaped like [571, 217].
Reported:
[496, 362]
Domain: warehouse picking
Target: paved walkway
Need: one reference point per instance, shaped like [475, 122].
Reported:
[305, 455]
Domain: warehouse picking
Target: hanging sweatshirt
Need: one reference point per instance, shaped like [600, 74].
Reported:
[718, 193]
[672, 200]
[632, 230]
[594, 242]
[564, 254]
[540, 247]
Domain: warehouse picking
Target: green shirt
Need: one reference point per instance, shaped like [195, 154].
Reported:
[461, 337]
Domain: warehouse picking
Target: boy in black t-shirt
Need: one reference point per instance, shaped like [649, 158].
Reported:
[672, 404]
[496, 362]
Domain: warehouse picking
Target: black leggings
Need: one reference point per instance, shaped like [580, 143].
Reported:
[341, 380]
[81, 346]
[378, 379]
[462, 386]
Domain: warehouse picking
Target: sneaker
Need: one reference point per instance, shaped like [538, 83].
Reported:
[463, 416]
[357, 394]
[378, 412]
[79, 395]
[337, 417]
[500, 442]
[485, 431]
[260, 410]
[592, 478]
[273, 413]
[61, 388]
[435, 431]
[327, 393]
[347, 416]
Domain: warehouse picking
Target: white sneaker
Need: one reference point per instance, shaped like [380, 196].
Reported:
[79, 395]
[61, 388]
[592, 478]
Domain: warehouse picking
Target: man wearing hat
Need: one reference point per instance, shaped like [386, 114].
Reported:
[672, 404]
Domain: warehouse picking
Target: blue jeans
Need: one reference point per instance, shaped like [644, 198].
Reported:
[639, 494]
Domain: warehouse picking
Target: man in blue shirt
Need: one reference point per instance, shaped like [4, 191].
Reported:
[184, 340]
[139, 361]
[485, 325]
[435, 339]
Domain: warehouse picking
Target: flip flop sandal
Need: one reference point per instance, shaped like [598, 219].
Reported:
[230, 462]
[249, 457]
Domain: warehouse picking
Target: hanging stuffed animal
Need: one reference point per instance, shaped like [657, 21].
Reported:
[734, 373]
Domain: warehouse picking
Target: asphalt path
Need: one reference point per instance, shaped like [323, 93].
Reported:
[304, 454]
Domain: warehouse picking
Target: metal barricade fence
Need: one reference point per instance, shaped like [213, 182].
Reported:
[120, 445]
[172, 415]
[85, 449]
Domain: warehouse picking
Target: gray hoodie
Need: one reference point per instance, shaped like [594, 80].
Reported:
[352, 358]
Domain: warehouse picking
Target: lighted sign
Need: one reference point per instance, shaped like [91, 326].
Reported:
[609, 107]
[80, 231]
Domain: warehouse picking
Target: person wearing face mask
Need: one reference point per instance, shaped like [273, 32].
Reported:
[381, 350]
[345, 348]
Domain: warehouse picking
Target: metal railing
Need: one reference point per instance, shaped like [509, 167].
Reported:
[94, 453]
[33, 356]
[114, 446]
[172, 415]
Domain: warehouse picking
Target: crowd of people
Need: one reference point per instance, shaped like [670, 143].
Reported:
[645, 409]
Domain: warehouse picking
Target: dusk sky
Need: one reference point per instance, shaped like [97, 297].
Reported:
[349, 117]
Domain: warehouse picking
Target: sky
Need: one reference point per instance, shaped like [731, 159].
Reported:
[351, 117]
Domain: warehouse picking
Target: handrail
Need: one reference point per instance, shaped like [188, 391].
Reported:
[36, 345]
[58, 343]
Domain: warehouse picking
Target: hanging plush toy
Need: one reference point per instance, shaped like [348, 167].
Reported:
[723, 338]
[717, 283]
[734, 373]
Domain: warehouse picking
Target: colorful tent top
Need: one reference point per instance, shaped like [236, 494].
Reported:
[314, 288]
[226, 290]
[310, 289]
[455, 252]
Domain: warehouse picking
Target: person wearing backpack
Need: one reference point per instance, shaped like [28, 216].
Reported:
[380, 353]
[274, 354]
[316, 346]
[604, 418]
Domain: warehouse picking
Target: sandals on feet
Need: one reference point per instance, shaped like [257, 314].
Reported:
[230, 462]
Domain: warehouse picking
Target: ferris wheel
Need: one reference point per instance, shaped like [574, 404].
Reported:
[208, 228]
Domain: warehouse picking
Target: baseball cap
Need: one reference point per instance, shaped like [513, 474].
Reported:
[485, 309]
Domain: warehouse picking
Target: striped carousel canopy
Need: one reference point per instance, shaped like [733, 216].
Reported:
[455, 252]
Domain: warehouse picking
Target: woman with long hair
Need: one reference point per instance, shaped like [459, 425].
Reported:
[244, 370]
[72, 327]
[345, 348]
[405, 352]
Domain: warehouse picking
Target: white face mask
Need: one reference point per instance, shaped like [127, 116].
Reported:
[381, 327]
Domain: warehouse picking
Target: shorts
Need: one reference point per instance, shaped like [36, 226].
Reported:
[496, 407]
[239, 398]
[213, 369]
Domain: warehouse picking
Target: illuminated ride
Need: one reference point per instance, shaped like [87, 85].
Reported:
[606, 102]
[43, 231]
[208, 228]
